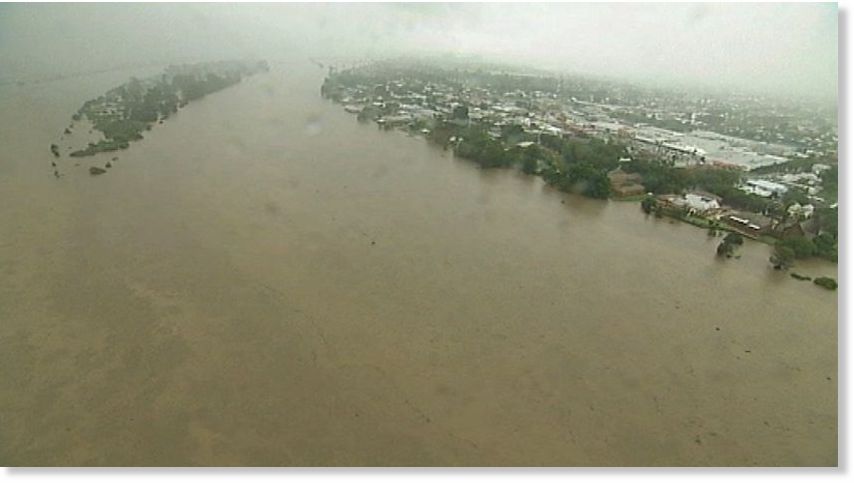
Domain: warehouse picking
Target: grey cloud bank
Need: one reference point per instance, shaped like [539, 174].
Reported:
[784, 49]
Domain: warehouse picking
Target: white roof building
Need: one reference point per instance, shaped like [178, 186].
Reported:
[764, 188]
[818, 168]
[797, 210]
[701, 203]
[809, 178]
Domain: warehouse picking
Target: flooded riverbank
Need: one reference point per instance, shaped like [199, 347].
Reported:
[264, 281]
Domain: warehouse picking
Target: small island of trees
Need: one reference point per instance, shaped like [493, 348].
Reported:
[123, 113]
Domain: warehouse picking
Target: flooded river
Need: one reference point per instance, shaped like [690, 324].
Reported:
[265, 281]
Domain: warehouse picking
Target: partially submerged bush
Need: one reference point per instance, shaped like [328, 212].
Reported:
[826, 282]
[649, 204]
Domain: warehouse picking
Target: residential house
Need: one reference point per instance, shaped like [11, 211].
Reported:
[699, 202]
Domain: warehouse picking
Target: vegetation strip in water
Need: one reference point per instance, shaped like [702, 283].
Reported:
[124, 112]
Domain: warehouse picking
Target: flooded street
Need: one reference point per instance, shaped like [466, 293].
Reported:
[263, 281]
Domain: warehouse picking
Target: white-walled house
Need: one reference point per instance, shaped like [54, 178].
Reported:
[701, 203]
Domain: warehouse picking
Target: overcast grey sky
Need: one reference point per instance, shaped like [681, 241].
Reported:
[788, 49]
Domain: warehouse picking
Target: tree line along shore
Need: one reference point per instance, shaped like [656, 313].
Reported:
[497, 128]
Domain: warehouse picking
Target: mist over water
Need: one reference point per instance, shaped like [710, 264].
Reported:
[778, 49]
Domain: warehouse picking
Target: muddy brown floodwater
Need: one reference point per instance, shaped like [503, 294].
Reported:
[265, 281]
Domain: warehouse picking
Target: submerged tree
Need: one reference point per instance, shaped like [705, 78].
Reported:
[725, 249]
[782, 258]
[734, 239]
[826, 282]
[649, 204]
[727, 246]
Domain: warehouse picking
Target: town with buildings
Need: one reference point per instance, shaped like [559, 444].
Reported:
[761, 168]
